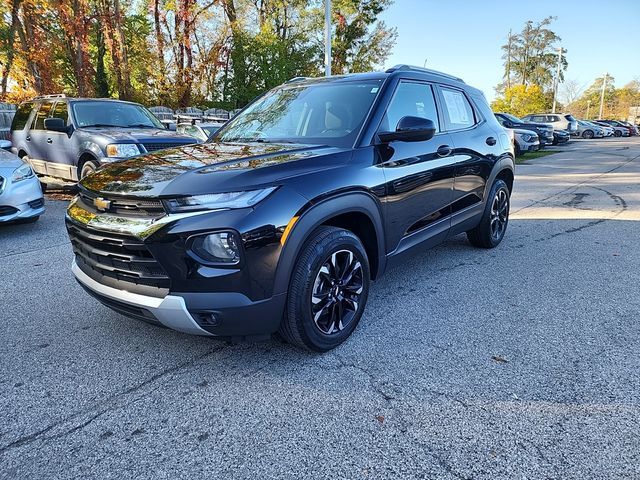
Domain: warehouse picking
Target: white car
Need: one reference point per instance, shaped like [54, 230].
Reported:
[563, 121]
[201, 131]
[21, 198]
[525, 141]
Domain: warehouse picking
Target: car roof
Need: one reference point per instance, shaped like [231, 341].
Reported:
[396, 71]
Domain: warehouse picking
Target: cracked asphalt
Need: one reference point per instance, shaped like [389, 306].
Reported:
[518, 363]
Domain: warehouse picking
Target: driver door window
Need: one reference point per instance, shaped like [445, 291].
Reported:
[413, 99]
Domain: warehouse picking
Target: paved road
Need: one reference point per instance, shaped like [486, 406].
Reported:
[521, 362]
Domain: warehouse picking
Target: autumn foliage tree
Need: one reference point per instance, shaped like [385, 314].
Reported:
[180, 52]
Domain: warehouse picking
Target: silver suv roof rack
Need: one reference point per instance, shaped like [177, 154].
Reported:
[296, 79]
[403, 67]
[55, 95]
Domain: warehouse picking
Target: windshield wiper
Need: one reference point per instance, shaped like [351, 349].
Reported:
[101, 125]
[140, 125]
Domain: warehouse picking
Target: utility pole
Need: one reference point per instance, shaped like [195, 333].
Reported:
[557, 82]
[604, 85]
[509, 61]
[327, 38]
[588, 108]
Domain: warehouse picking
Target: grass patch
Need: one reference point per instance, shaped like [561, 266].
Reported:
[534, 155]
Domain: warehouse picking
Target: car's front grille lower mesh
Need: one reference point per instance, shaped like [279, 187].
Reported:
[118, 261]
[6, 210]
[154, 147]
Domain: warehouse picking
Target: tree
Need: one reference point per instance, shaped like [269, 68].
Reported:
[531, 56]
[360, 42]
[521, 100]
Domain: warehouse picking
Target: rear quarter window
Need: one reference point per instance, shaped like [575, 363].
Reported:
[22, 115]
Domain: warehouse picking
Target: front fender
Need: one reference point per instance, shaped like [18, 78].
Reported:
[313, 215]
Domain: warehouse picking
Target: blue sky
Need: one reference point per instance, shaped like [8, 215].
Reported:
[463, 37]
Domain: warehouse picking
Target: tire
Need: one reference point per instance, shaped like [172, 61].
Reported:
[617, 133]
[328, 290]
[496, 214]
[87, 168]
[516, 149]
[587, 134]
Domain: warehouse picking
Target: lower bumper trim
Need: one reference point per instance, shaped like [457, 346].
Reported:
[171, 311]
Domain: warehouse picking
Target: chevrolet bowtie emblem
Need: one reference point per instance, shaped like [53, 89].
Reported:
[101, 204]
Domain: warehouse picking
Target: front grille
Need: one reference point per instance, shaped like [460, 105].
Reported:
[7, 210]
[39, 203]
[118, 261]
[126, 207]
[154, 147]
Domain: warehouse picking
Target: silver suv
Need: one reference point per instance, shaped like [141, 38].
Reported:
[69, 138]
[559, 121]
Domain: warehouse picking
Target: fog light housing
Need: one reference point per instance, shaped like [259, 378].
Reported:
[219, 248]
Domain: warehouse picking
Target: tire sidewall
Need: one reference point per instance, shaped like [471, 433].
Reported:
[497, 186]
[300, 295]
[90, 166]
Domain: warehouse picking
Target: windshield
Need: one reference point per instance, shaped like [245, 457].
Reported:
[513, 118]
[113, 114]
[327, 113]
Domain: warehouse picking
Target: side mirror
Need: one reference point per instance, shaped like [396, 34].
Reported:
[507, 124]
[55, 125]
[410, 129]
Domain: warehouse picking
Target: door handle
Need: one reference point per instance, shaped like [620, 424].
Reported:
[444, 150]
[28, 139]
[49, 140]
[491, 141]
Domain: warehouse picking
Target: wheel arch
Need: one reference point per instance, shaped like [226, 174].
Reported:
[358, 212]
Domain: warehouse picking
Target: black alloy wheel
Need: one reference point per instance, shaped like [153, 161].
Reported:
[493, 225]
[328, 290]
[499, 214]
[336, 293]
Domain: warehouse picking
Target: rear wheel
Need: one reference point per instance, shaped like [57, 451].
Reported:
[493, 225]
[328, 291]
[617, 133]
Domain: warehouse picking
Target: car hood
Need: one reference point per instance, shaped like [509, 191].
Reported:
[9, 161]
[139, 134]
[537, 125]
[210, 168]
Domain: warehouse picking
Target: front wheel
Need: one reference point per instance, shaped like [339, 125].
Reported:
[88, 167]
[493, 225]
[328, 290]
[587, 134]
[617, 133]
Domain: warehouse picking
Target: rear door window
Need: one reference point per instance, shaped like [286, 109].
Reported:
[43, 112]
[458, 113]
[22, 115]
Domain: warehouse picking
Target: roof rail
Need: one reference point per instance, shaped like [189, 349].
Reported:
[296, 79]
[403, 67]
[55, 95]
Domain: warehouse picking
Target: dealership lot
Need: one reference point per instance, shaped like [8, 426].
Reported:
[519, 362]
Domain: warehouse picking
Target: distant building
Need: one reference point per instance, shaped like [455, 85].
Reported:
[634, 115]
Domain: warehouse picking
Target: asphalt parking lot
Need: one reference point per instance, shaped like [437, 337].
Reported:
[519, 362]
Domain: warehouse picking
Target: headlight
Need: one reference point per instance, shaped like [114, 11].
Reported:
[122, 150]
[219, 248]
[527, 138]
[216, 201]
[22, 173]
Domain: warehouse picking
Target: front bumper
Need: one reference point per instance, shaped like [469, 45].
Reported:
[21, 201]
[170, 311]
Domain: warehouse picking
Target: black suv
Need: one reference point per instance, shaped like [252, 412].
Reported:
[69, 138]
[545, 132]
[283, 218]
